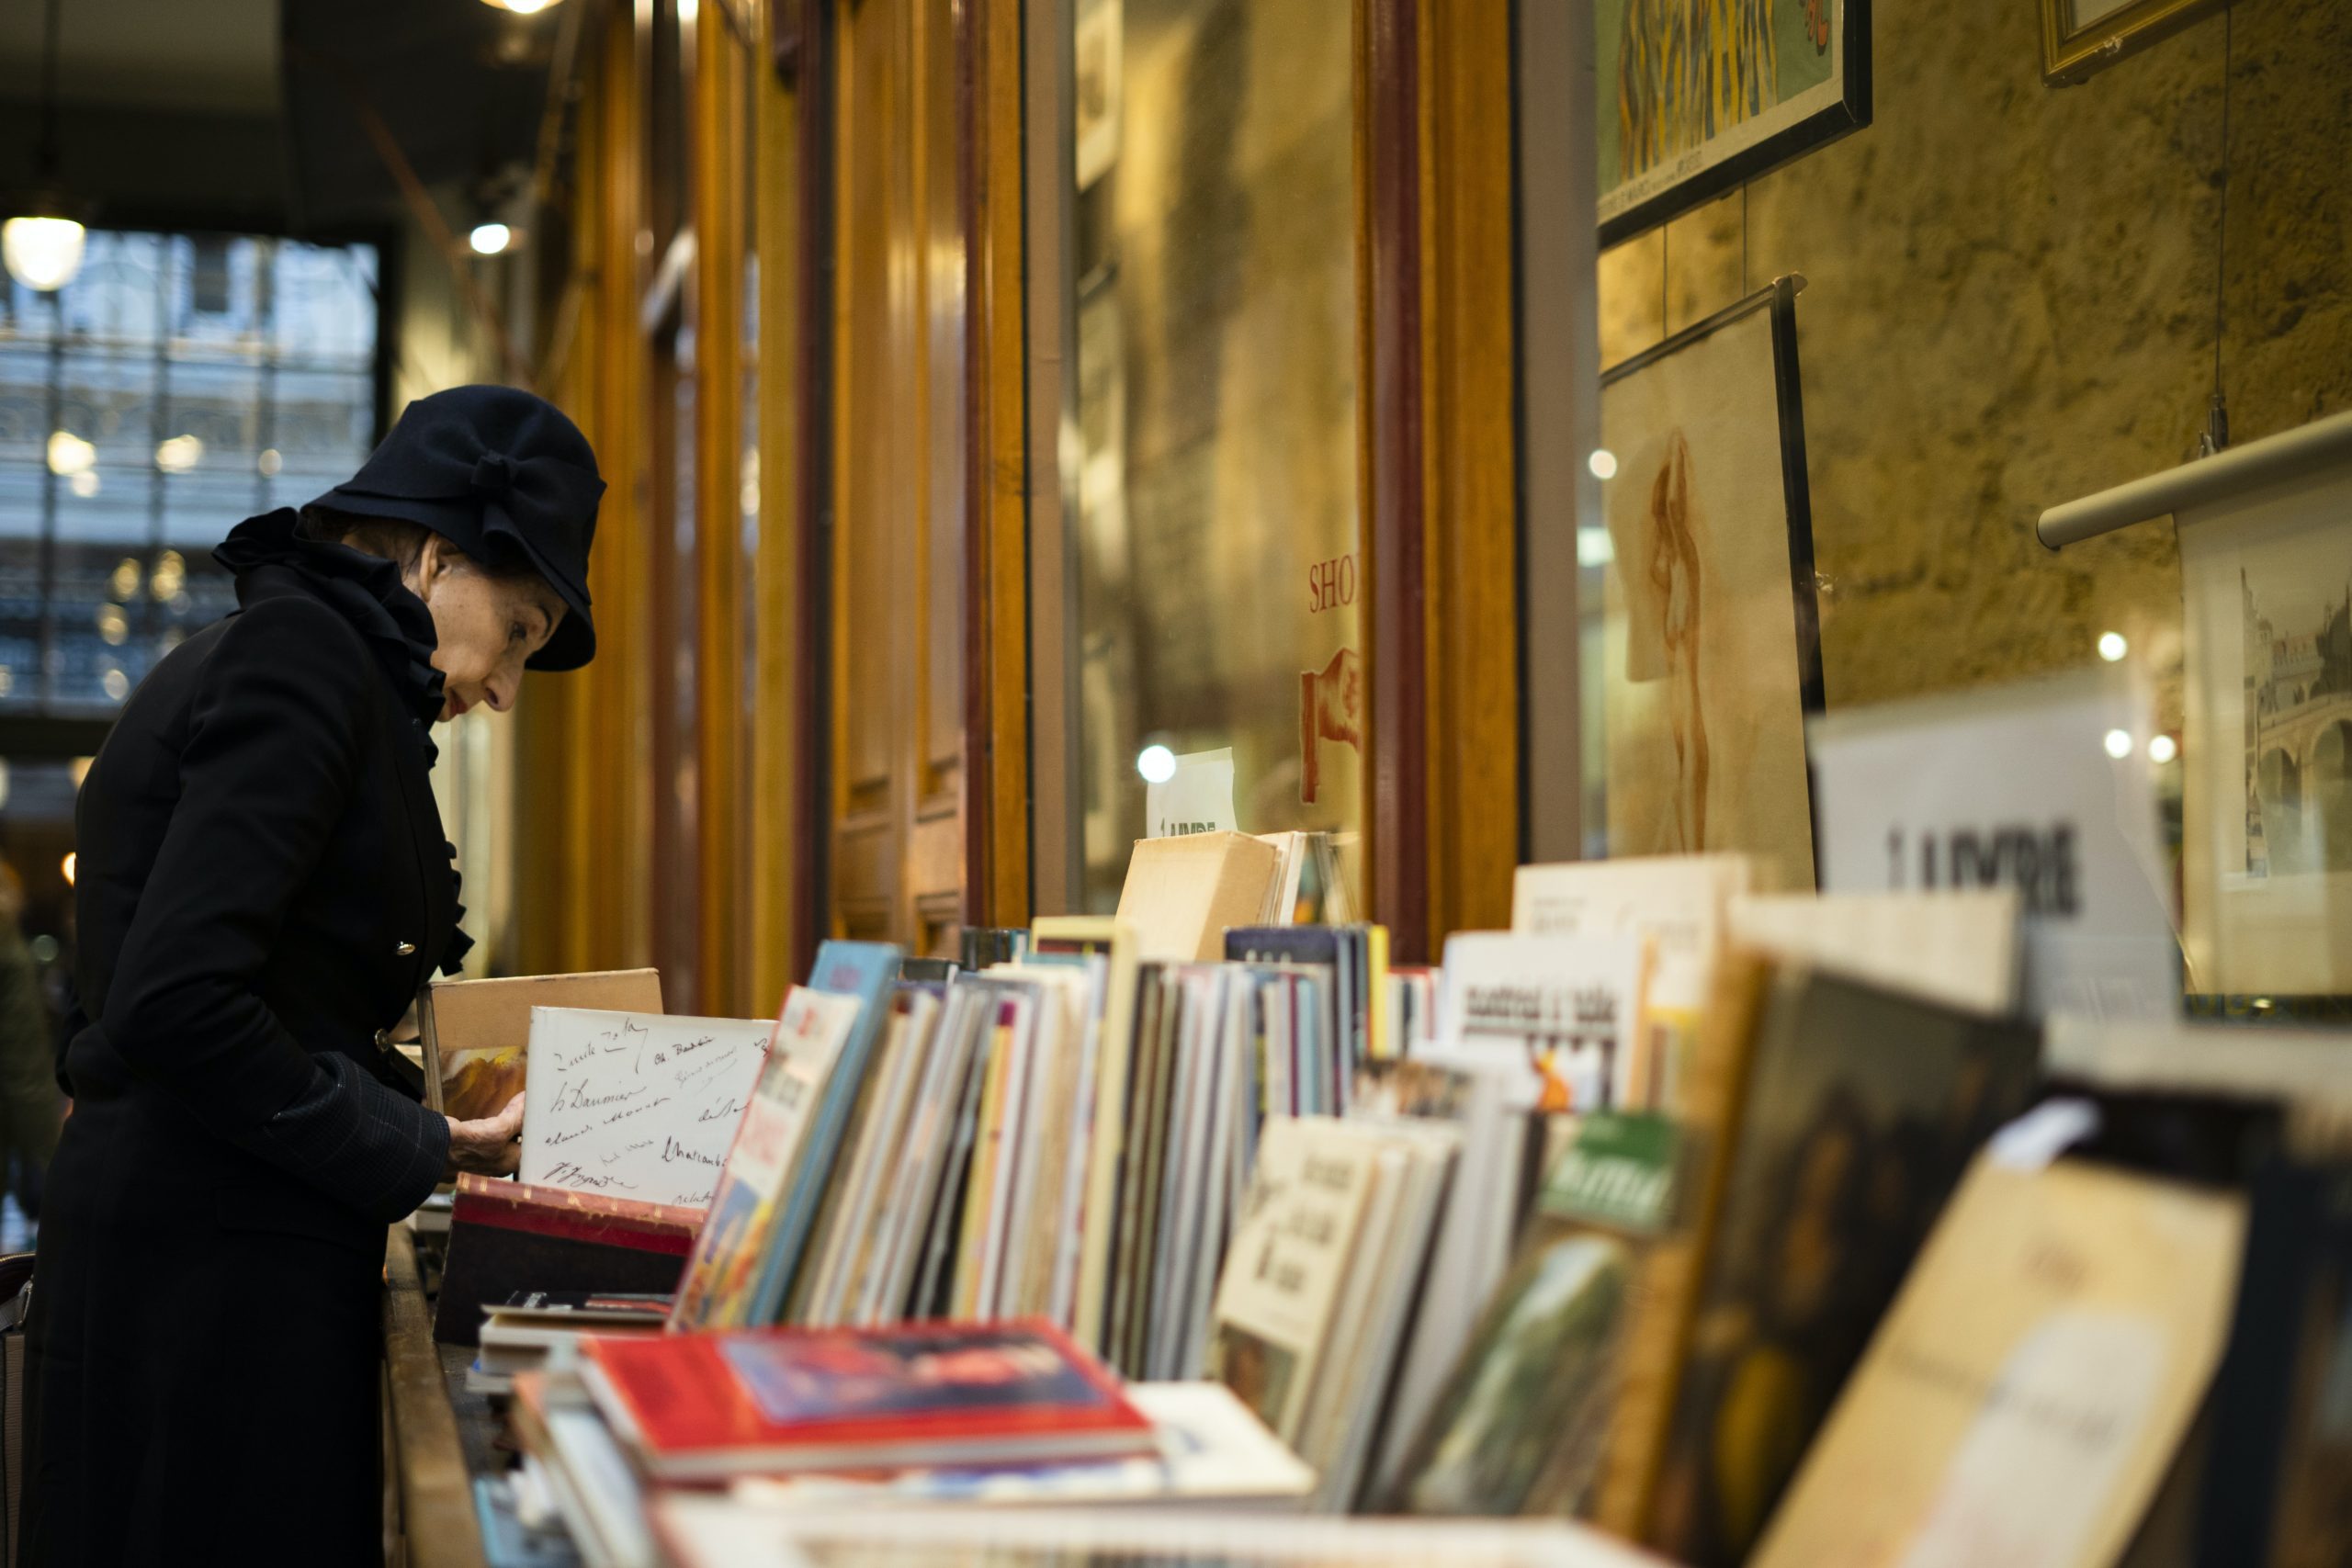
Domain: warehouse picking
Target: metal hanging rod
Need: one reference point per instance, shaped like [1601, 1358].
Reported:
[2289, 454]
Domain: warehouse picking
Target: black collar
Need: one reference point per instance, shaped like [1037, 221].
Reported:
[270, 559]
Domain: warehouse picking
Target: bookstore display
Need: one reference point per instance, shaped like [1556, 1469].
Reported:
[1682, 1222]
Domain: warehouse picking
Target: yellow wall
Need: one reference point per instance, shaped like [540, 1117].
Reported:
[2010, 304]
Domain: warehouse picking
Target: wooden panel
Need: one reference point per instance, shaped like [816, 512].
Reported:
[1472, 497]
[945, 317]
[869, 356]
[997, 731]
[778, 842]
[1389, 283]
[718, 153]
[901, 455]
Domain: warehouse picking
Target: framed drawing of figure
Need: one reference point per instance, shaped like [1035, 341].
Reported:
[2266, 747]
[1711, 655]
[1695, 95]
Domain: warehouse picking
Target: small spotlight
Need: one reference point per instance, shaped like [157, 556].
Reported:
[2119, 744]
[1604, 463]
[67, 864]
[69, 454]
[2111, 645]
[1157, 764]
[2162, 748]
[490, 239]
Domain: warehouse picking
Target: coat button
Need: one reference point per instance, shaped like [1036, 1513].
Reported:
[404, 949]
[383, 1040]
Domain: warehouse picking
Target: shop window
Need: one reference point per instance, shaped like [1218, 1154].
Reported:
[1214, 492]
[179, 384]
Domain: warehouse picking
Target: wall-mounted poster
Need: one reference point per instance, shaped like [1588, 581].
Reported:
[2267, 799]
[1695, 95]
[1713, 652]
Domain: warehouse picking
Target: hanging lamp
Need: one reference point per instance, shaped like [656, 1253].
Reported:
[41, 242]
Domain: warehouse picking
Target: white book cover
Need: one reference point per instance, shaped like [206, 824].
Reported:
[637, 1105]
[1290, 1262]
[1568, 1007]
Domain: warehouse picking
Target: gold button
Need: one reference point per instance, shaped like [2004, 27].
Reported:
[383, 1040]
[404, 949]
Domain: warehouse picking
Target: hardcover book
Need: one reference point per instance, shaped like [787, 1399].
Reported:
[1181, 894]
[507, 1237]
[2026, 1395]
[707, 1406]
[1861, 1112]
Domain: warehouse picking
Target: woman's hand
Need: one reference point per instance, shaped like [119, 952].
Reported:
[487, 1148]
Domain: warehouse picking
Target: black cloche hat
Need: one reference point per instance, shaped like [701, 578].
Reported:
[505, 476]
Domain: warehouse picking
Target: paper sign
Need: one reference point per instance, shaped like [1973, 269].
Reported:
[635, 1104]
[2021, 787]
[1197, 799]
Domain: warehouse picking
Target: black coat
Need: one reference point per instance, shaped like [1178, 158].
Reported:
[263, 885]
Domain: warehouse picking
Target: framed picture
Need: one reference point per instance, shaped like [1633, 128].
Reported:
[1711, 655]
[2266, 747]
[1694, 97]
[2080, 38]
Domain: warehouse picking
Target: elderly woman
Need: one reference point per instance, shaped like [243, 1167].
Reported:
[264, 885]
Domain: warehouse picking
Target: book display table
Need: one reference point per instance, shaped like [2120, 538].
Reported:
[437, 1437]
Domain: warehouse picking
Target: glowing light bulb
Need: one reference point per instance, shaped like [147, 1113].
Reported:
[42, 254]
[2119, 744]
[2162, 748]
[490, 239]
[1156, 763]
[1604, 463]
[2111, 645]
[66, 865]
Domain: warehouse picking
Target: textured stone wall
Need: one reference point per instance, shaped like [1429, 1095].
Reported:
[2011, 303]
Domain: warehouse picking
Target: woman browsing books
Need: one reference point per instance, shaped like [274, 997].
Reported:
[264, 886]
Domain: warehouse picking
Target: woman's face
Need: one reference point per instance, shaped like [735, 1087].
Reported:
[486, 627]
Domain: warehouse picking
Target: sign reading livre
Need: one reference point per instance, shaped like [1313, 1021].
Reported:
[2040, 788]
[637, 1105]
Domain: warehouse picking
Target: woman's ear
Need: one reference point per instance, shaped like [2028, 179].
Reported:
[432, 562]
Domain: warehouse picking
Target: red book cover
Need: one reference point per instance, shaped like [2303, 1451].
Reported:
[710, 1406]
[505, 1236]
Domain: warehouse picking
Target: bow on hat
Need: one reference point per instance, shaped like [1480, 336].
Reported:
[505, 476]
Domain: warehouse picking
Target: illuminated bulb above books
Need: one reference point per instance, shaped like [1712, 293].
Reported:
[1157, 763]
[490, 239]
[2111, 645]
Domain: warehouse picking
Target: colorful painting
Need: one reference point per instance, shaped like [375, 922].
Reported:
[1696, 95]
[1711, 654]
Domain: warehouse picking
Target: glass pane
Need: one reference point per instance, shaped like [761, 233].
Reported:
[176, 386]
[1217, 519]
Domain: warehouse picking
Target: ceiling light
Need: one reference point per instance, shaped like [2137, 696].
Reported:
[490, 239]
[2119, 744]
[42, 254]
[2162, 749]
[1604, 463]
[41, 242]
[2111, 645]
[178, 454]
[1157, 763]
[521, 7]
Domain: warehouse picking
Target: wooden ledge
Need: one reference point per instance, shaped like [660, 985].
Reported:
[424, 1456]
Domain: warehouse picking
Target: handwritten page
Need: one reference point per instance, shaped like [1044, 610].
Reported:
[637, 1105]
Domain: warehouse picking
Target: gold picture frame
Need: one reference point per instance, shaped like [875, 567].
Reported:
[2082, 38]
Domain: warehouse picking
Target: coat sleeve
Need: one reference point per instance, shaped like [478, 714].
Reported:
[274, 743]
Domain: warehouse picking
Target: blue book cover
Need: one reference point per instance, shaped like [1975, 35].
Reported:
[866, 970]
[1283, 945]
